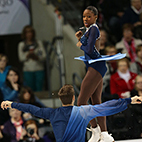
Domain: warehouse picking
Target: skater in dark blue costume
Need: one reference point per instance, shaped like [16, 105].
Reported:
[69, 122]
[92, 83]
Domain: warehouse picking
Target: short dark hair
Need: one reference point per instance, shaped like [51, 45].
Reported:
[93, 9]
[66, 94]
[138, 48]
[127, 26]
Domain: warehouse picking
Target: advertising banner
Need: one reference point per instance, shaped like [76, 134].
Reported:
[14, 15]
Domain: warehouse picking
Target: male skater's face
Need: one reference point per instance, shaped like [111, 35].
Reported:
[89, 18]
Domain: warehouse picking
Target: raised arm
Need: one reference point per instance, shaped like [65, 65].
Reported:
[110, 107]
[36, 111]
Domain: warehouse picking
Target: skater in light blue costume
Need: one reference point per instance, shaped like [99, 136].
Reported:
[92, 83]
[69, 122]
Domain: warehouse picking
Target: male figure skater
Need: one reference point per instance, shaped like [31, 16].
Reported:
[69, 122]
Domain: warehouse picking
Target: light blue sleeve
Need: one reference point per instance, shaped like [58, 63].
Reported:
[105, 109]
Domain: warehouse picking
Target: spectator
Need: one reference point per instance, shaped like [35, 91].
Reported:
[27, 96]
[122, 82]
[103, 42]
[138, 86]
[2, 136]
[111, 68]
[13, 127]
[136, 67]
[115, 10]
[3, 68]
[128, 43]
[31, 133]
[137, 29]
[131, 15]
[32, 54]
[10, 89]
[136, 109]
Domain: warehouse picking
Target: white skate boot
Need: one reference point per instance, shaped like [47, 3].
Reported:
[105, 137]
[96, 134]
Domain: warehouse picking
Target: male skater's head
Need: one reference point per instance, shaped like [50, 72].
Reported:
[66, 95]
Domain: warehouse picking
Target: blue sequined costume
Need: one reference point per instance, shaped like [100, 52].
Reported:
[69, 123]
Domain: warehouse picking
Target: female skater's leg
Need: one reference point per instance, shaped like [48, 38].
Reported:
[96, 99]
[89, 85]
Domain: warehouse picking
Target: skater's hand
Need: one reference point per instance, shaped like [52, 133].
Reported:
[6, 104]
[78, 34]
[79, 44]
[136, 100]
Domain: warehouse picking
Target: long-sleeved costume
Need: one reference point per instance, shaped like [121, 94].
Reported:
[92, 57]
[69, 123]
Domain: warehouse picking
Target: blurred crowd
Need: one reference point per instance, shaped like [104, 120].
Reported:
[121, 31]
[16, 126]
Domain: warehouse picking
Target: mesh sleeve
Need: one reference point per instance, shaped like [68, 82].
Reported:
[93, 35]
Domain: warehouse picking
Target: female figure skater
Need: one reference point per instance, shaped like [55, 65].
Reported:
[93, 81]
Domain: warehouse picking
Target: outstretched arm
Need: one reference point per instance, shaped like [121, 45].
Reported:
[36, 111]
[111, 107]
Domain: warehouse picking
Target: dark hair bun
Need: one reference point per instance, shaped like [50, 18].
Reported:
[93, 9]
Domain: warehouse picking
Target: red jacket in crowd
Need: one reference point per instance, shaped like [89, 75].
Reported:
[119, 85]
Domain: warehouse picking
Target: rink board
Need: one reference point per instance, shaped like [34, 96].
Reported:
[136, 140]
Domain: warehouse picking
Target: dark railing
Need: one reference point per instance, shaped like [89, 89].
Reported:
[69, 11]
[50, 48]
[77, 78]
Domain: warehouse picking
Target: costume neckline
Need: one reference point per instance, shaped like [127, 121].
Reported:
[91, 26]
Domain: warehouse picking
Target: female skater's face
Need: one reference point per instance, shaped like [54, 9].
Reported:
[89, 18]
